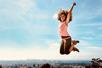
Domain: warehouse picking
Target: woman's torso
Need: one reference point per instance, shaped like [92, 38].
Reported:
[63, 31]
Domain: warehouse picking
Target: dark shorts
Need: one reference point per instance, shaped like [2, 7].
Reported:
[64, 48]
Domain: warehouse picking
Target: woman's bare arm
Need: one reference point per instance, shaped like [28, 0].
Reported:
[69, 16]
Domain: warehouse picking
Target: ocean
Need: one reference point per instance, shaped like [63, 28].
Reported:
[9, 62]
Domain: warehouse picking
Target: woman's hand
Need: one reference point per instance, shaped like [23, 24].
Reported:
[74, 4]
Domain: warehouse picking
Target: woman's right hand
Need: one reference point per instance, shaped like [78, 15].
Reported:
[74, 4]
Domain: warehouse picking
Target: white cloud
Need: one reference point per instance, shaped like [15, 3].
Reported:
[26, 11]
[13, 8]
[99, 24]
[21, 15]
[100, 27]
[22, 10]
[41, 16]
[87, 51]
[88, 10]
[55, 16]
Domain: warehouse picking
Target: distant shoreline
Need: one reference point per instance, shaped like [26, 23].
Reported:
[44, 61]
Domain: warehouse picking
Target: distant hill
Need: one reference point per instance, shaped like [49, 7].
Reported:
[45, 61]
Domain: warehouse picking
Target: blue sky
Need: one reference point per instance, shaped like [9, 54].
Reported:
[28, 29]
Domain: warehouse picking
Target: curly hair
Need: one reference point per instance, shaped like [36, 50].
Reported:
[65, 13]
[62, 12]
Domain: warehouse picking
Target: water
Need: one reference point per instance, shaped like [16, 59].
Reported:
[45, 61]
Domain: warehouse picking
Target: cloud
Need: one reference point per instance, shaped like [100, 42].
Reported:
[21, 11]
[23, 17]
[55, 16]
[87, 10]
[17, 7]
[27, 21]
[87, 51]
[29, 53]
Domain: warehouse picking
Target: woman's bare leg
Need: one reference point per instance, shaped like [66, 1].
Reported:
[64, 44]
[73, 43]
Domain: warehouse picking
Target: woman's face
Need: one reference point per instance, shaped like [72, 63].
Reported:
[63, 17]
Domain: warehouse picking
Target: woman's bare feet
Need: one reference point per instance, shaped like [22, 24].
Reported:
[75, 49]
[74, 42]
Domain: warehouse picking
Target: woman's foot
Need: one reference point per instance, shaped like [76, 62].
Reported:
[74, 42]
[76, 49]
[74, 4]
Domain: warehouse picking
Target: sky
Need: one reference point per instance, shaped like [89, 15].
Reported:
[29, 29]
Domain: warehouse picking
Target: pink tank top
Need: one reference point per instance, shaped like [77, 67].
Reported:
[63, 29]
